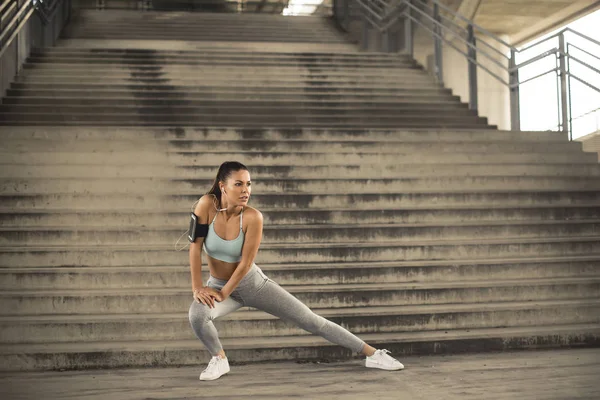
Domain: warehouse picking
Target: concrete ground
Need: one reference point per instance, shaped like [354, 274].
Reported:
[548, 374]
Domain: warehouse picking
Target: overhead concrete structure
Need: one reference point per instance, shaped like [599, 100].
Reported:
[522, 20]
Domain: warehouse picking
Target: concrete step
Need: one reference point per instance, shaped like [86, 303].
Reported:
[152, 219]
[151, 62]
[247, 121]
[299, 186]
[62, 356]
[230, 79]
[268, 158]
[239, 72]
[240, 104]
[28, 170]
[391, 319]
[193, 34]
[307, 134]
[113, 108]
[116, 301]
[308, 147]
[242, 77]
[289, 201]
[39, 82]
[303, 233]
[231, 47]
[100, 48]
[123, 255]
[372, 272]
[132, 16]
[242, 94]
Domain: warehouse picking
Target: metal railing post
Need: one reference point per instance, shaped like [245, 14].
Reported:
[439, 73]
[408, 33]
[564, 90]
[473, 100]
[515, 107]
[365, 32]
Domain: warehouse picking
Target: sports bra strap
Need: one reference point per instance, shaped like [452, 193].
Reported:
[241, 215]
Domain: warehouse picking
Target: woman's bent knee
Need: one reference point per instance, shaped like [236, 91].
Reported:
[199, 314]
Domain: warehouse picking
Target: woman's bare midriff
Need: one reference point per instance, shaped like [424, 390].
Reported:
[221, 269]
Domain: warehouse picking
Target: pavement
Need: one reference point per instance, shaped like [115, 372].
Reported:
[527, 374]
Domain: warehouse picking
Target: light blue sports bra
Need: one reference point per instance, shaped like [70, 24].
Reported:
[224, 250]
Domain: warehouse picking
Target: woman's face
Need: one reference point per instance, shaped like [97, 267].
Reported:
[237, 188]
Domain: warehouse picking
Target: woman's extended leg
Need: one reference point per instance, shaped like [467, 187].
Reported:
[275, 300]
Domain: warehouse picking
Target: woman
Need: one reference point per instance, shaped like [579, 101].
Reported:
[231, 241]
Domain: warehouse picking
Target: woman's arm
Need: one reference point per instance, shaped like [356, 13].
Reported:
[202, 212]
[251, 243]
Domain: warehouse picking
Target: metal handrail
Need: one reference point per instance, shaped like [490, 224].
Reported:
[28, 8]
[16, 19]
[584, 51]
[443, 26]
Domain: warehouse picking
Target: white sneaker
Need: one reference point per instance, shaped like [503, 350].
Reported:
[216, 368]
[382, 360]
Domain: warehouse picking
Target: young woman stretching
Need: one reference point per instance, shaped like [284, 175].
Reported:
[231, 242]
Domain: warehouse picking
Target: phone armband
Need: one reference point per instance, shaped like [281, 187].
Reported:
[196, 230]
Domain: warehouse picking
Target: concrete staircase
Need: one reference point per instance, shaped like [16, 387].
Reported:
[418, 240]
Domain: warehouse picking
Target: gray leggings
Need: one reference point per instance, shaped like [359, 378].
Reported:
[258, 291]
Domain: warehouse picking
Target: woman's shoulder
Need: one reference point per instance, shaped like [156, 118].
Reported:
[206, 203]
[252, 213]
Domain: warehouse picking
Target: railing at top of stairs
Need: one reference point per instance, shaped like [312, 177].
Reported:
[14, 14]
[481, 49]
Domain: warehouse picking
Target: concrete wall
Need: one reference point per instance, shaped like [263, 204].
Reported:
[34, 34]
[493, 96]
[591, 143]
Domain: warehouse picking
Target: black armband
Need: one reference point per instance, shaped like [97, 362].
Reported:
[196, 230]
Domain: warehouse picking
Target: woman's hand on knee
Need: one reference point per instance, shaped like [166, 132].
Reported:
[207, 296]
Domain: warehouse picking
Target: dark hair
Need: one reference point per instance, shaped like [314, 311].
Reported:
[225, 171]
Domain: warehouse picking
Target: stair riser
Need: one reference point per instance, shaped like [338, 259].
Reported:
[353, 121]
[272, 218]
[258, 96]
[235, 103]
[172, 90]
[229, 81]
[109, 49]
[364, 234]
[157, 171]
[285, 113]
[241, 74]
[333, 149]
[324, 136]
[305, 201]
[179, 328]
[317, 64]
[349, 186]
[162, 277]
[149, 303]
[332, 253]
[266, 158]
[167, 357]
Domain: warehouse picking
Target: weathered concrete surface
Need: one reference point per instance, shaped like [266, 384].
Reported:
[554, 374]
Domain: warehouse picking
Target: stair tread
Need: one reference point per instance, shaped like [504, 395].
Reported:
[301, 227]
[395, 243]
[252, 314]
[294, 341]
[309, 266]
[317, 288]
